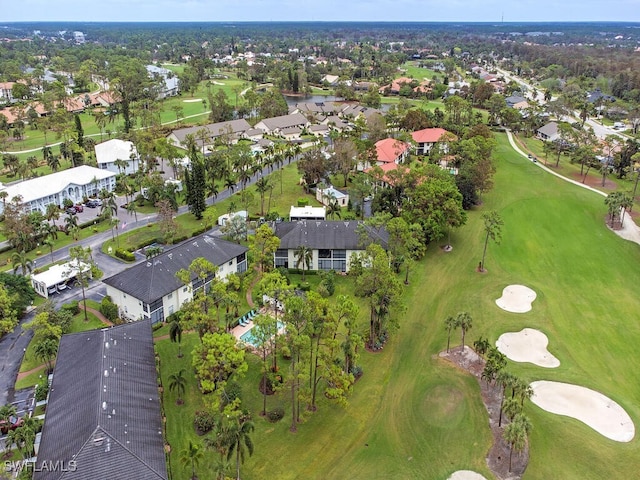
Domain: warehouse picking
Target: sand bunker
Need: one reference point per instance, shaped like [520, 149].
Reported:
[466, 475]
[527, 345]
[217, 83]
[599, 412]
[192, 100]
[516, 299]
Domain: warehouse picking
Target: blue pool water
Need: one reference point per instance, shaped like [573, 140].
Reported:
[247, 337]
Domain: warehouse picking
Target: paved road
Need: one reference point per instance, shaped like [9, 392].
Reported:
[12, 345]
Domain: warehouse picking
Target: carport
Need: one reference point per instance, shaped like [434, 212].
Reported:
[56, 278]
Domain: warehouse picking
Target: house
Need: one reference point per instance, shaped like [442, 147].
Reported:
[548, 132]
[317, 109]
[394, 87]
[74, 184]
[598, 97]
[319, 130]
[223, 219]
[107, 153]
[390, 150]
[151, 289]
[307, 213]
[274, 125]
[103, 416]
[329, 194]
[331, 80]
[331, 243]
[169, 83]
[233, 129]
[291, 133]
[354, 111]
[426, 138]
[6, 91]
[516, 101]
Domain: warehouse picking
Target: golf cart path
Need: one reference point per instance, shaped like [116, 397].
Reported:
[629, 230]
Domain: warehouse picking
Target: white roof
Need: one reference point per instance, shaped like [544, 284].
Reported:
[115, 149]
[58, 274]
[307, 211]
[40, 187]
[332, 192]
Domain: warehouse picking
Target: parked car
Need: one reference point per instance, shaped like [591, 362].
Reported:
[71, 211]
[93, 203]
[79, 208]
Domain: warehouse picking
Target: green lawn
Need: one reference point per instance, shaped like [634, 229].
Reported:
[415, 416]
[30, 361]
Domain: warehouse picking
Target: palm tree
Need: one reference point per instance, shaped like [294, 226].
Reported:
[6, 412]
[45, 350]
[52, 213]
[230, 183]
[70, 221]
[450, 324]
[238, 438]
[178, 383]
[192, 456]
[262, 187]
[465, 322]
[493, 229]
[175, 334]
[516, 434]
[333, 208]
[303, 255]
[505, 380]
[21, 261]
[132, 208]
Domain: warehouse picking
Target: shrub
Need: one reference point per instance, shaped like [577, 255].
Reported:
[303, 202]
[203, 422]
[157, 326]
[329, 281]
[42, 389]
[125, 255]
[305, 286]
[179, 239]
[108, 308]
[322, 291]
[276, 414]
[72, 307]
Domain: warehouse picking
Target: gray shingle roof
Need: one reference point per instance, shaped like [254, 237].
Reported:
[104, 407]
[284, 121]
[153, 279]
[338, 235]
[214, 129]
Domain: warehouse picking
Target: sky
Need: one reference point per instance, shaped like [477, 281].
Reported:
[320, 10]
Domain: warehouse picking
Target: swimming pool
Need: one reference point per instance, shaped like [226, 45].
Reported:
[247, 337]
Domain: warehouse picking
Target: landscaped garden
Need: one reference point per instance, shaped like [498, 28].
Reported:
[414, 415]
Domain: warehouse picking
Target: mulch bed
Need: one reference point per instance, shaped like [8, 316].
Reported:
[498, 455]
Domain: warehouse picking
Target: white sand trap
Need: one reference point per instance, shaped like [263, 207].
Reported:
[217, 83]
[599, 412]
[466, 475]
[527, 345]
[192, 100]
[516, 299]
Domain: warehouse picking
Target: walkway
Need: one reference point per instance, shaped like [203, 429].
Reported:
[97, 313]
[629, 230]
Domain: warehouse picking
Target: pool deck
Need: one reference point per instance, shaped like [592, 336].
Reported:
[239, 330]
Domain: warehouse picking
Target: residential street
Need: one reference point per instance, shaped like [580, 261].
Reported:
[12, 345]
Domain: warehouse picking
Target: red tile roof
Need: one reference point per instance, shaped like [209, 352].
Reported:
[428, 135]
[390, 149]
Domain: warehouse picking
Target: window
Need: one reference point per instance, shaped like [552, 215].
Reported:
[170, 296]
[324, 253]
